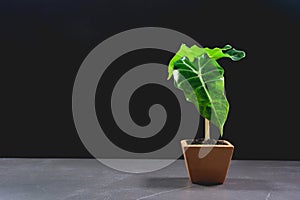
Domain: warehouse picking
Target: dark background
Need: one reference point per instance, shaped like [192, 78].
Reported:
[43, 44]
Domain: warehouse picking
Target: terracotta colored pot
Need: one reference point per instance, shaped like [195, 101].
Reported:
[207, 164]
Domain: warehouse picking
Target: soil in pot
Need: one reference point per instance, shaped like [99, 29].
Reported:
[209, 141]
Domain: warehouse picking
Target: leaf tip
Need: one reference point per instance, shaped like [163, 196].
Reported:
[221, 133]
[227, 47]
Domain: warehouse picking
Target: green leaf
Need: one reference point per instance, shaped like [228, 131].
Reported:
[202, 82]
[191, 53]
[227, 52]
[201, 78]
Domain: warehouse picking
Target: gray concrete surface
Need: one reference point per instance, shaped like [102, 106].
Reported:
[87, 179]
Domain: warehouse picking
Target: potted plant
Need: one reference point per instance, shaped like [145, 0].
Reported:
[197, 73]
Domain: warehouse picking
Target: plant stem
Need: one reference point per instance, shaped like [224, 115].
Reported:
[207, 131]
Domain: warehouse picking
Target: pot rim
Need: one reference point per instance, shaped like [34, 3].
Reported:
[226, 145]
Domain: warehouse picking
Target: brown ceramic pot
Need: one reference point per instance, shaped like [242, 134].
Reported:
[207, 164]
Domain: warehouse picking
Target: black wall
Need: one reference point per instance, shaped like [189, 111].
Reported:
[43, 44]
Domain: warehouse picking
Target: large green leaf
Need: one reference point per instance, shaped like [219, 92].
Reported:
[202, 82]
[198, 74]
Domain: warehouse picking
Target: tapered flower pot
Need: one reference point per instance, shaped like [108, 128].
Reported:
[207, 164]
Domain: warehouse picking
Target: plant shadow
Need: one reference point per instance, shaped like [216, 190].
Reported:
[167, 182]
[229, 184]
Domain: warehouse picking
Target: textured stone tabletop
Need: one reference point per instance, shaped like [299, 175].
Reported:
[87, 179]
